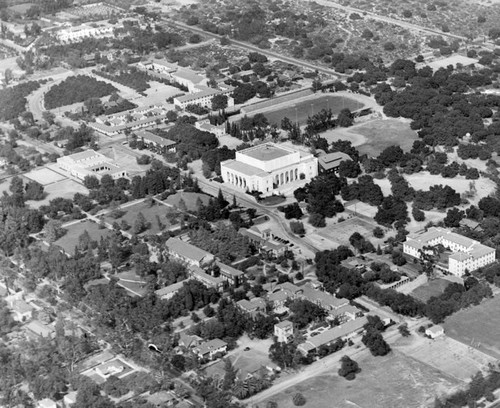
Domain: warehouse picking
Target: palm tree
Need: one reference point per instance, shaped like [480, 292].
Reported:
[240, 390]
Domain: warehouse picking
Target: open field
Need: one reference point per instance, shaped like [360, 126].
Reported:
[448, 355]
[381, 134]
[300, 111]
[190, 199]
[64, 188]
[393, 381]
[44, 176]
[69, 241]
[149, 213]
[478, 325]
[432, 288]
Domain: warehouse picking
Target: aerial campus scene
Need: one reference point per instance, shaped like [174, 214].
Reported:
[261, 203]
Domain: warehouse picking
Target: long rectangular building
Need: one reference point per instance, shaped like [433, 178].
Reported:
[467, 254]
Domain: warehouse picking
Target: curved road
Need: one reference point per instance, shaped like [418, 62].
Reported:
[212, 187]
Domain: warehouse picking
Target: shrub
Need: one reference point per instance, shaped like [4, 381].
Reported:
[299, 400]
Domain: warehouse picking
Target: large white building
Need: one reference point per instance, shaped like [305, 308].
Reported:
[78, 33]
[467, 254]
[269, 168]
[90, 163]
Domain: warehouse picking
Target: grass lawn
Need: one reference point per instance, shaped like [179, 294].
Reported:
[341, 231]
[70, 239]
[478, 325]
[432, 288]
[302, 110]
[393, 381]
[149, 213]
[380, 134]
[190, 199]
[65, 188]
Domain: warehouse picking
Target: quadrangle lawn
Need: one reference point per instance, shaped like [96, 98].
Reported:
[393, 381]
[477, 326]
[341, 231]
[70, 239]
[149, 213]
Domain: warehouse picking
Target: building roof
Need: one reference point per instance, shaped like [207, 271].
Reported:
[435, 329]
[47, 403]
[252, 305]
[229, 270]
[188, 75]
[40, 329]
[87, 154]
[186, 250]
[197, 95]
[285, 324]
[324, 299]
[210, 346]
[201, 275]
[155, 138]
[266, 152]
[337, 332]
[170, 288]
[20, 306]
[277, 296]
[332, 160]
[243, 168]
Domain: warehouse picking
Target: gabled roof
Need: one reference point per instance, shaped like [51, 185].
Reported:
[337, 332]
[186, 250]
[284, 324]
[228, 270]
[210, 346]
[170, 288]
[332, 160]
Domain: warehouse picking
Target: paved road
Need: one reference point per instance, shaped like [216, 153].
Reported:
[211, 187]
[250, 47]
[390, 20]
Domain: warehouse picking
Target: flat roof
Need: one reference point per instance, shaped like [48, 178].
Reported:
[243, 168]
[266, 152]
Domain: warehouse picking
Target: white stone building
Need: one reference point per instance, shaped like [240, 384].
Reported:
[90, 163]
[78, 33]
[468, 254]
[269, 168]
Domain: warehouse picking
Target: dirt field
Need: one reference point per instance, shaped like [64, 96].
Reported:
[446, 354]
[45, 176]
[65, 189]
[393, 381]
[478, 325]
[431, 288]
[70, 239]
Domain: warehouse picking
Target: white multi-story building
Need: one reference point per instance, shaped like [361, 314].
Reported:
[269, 168]
[73, 34]
[468, 254]
[203, 96]
[90, 163]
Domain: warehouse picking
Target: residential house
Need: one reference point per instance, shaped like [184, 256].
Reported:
[21, 310]
[345, 313]
[284, 331]
[434, 331]
[156, 143]
[189, 341]
[205, 126]
[252, 307]
[330, 162]
[40, 329]
[209, 349]
[345, 331]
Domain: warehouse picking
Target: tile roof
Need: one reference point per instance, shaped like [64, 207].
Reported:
[186, 250]
[332, 160]
[337, 332]
[211, 345]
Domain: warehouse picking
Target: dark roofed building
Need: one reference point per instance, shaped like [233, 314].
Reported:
[330, 162]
